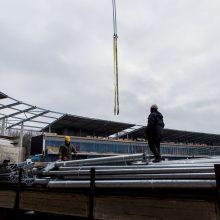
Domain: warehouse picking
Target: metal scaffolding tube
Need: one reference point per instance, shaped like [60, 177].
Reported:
[101, 167]
[131, 171]
[144, 176]
[102, 160]
[202, 184]
[135, 166]
[212, 160]
[41, 181]
[3, 127]
[182, 165]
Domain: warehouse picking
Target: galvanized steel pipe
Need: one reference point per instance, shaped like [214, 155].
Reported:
[135, 166]
[145, 176]
[135, 184]
[133, 171]
[102, 160]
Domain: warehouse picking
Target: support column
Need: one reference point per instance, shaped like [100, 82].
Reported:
[20, 158]
[217, 177]
[3, 127]
[92, 194]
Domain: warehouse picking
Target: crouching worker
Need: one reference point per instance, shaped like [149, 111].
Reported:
[65, 151]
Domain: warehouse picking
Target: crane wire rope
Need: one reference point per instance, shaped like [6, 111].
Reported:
[115, 52]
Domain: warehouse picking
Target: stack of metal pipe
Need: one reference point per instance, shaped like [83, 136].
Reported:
[191, 173]
[14, 173]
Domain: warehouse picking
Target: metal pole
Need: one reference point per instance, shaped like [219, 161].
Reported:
[191, 161]
[92, 193]
[144, 176]
[20, 157]
[217, 179]
[135, 166]
[3, 127]
[102, 160]
[198, 184]
[132, 171]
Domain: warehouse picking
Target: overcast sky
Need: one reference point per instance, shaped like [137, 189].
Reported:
[58, 55]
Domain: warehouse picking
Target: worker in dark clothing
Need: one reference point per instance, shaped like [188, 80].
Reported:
[153, 132]
[65, 151]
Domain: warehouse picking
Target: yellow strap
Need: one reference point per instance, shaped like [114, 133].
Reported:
[116, 107]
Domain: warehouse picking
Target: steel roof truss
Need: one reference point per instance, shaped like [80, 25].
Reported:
[18, 112]
[28, 119]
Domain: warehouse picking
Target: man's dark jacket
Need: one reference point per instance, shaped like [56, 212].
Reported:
[155, 125]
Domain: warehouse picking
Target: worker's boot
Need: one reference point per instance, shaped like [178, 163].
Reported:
[156, 160]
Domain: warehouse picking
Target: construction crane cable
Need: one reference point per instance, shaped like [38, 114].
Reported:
[114, 17]
[115, 52]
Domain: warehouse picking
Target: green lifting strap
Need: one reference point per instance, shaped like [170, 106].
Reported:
[115, 52]
[116, 107]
